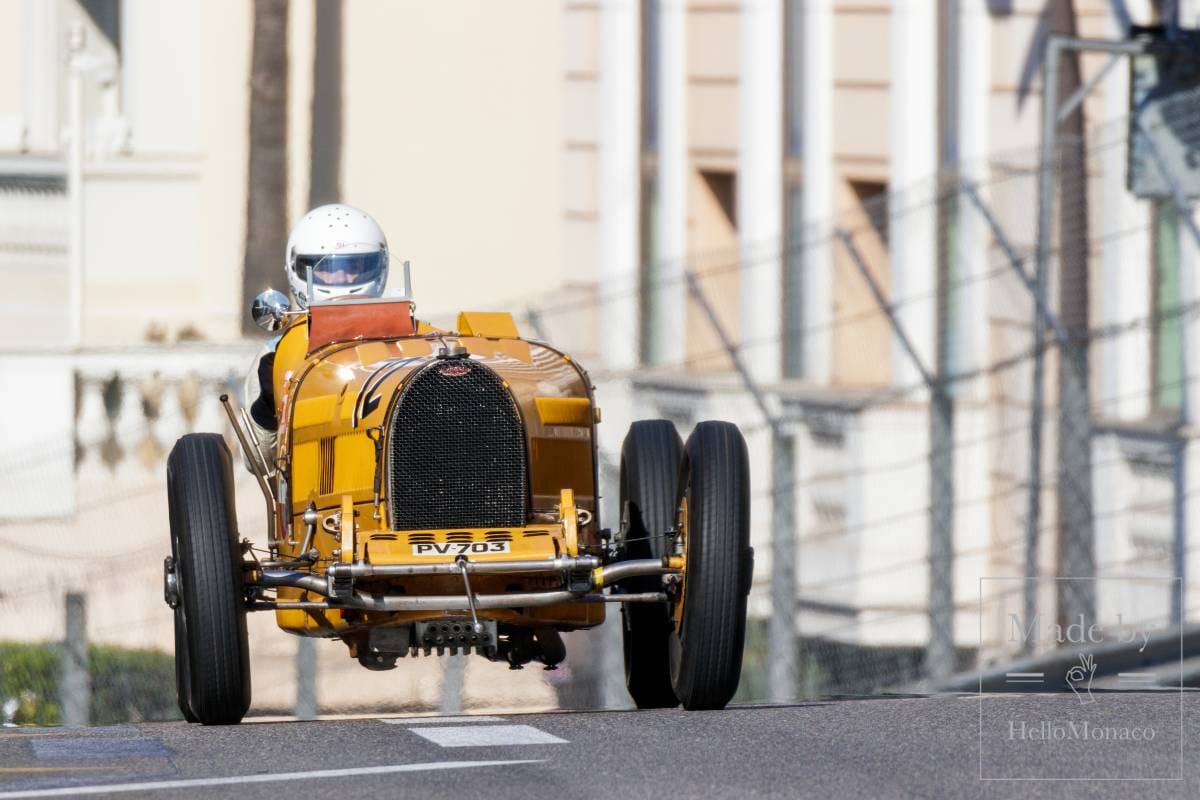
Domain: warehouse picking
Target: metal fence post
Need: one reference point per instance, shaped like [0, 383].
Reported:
[1076, 544]
[75, 689]
[781, 628]
[306, 678]
[1043, 316]
[453, 675]
[610, 637]
[1037, 391]
[940, 660]
[939, 654]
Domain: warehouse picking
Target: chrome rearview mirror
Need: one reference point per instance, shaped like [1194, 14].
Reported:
[270, 309]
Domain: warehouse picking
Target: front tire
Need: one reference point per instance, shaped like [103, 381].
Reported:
[215, 658]
[710, 629]
[183, 680]
[650, 459]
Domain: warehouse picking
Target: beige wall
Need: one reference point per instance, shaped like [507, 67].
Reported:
[470, 131]
[713, 238]
[862, 336]
[713, 52]
[165, 220]
[861, 81]
[713, 71]
[453, 140]
[453, 128]
[580, 142]
[164, 191]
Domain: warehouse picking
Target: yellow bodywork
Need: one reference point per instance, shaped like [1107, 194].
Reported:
[569, 411]
[334, 404]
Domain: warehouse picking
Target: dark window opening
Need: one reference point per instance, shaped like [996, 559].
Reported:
[723, 186]
[872, 199]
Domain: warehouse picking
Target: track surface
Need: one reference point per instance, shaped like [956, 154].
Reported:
[861, 748]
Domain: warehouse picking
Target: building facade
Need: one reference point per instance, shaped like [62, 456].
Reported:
[778, 150]
[660, 186]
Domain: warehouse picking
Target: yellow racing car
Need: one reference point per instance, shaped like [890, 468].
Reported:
[436, 492]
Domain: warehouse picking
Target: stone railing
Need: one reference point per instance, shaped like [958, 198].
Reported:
[133, 404]
[104, 415]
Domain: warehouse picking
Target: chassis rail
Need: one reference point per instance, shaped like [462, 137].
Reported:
[362, 569]
[337, 584]
[445, 602]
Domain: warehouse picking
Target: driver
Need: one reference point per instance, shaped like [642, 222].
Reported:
[347, 254]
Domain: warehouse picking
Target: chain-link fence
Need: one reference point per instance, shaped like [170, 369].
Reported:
[996, 408]
[993, 408]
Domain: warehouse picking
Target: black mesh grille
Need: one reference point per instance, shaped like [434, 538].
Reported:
[457, 451]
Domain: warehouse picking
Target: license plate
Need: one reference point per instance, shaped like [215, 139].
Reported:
[458, 548]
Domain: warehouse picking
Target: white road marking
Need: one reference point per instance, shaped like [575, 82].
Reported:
[200, 783]
[440, 720]
[487, 736]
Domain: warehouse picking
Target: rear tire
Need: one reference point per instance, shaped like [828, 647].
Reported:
[706, 649]
[650, 459]
[215, 681]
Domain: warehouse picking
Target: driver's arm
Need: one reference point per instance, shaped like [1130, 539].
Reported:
[260, 394]
[262, 410]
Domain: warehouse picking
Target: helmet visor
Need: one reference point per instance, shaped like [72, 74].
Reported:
[342, 269]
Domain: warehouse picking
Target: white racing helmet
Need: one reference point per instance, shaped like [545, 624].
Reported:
[346, 250]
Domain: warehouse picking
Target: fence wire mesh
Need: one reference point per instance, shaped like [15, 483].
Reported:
[891, 485]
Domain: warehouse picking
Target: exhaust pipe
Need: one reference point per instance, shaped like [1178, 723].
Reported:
[254, 458]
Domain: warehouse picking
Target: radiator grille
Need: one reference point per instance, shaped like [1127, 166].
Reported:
[457, 451]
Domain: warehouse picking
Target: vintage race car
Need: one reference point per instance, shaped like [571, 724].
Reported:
[436, 492]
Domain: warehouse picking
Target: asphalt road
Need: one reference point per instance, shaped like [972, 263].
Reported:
[928, 747]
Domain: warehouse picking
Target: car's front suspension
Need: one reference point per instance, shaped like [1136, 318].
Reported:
[337, 584]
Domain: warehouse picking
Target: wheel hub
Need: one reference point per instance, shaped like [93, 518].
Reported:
[170, 583]
[677, 583]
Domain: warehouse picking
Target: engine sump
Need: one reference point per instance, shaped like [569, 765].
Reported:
[446, 636]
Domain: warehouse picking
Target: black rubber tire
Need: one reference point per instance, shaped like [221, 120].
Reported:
[183, 688]
[706, 651]
[650, 460]
[208, 565]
